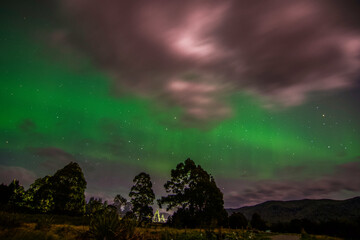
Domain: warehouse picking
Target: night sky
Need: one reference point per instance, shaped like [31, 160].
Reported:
[264, 95]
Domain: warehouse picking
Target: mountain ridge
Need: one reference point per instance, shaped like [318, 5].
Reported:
[311, 209]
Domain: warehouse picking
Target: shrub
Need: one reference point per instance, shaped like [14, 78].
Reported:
[44, 223]
[104, 225]
[127, 228]
[107, 225]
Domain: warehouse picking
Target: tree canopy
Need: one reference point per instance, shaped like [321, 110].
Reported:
[69, 187]
[142, 196]
[257, 222]
[237, 220]
[39, 197]
[193, 192]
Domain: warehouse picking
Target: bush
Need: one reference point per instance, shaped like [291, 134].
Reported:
[127, 228]
[104, 226]
[238, 221]
[107, 225]
[44, 223]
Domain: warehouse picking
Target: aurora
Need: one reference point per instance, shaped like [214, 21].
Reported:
[121, 107]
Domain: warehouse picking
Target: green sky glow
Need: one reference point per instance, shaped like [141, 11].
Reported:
[50, 102]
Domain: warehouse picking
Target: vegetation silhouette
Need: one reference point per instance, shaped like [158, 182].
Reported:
[63, 193]
[193, 196]
[193, 192]
[142, 196]
[257, 222]
[238, 221]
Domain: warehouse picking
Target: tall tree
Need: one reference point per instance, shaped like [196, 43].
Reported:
[5, 194]
[40, 196]
[142, 196]
[195, 195]
[17, 195]
[69, 186]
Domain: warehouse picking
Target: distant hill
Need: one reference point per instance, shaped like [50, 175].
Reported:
[314, 210]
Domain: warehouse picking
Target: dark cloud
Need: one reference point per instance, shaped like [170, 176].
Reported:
[344, 178]
[55, 158]
[194, 53]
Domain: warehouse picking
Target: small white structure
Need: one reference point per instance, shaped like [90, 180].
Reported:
[157, 218]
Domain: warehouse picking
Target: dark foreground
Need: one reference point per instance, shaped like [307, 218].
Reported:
[39, 227]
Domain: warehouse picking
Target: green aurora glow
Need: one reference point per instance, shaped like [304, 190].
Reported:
[49, 102]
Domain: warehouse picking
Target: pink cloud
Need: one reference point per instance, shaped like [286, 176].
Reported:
[343, 181]
[9, 173]
[192, 54]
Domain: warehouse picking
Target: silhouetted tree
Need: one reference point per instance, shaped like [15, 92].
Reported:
[69, 186]
[61, 193]
[40, 196]
[16, 200]
[5, 194]
[142, 196]
[238, 220]
[257, 222]
[194, 193]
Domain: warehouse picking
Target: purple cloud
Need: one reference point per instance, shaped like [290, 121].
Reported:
[55, 158]
[343, 181]
[195, 53]
[104, 179]
[9, 173]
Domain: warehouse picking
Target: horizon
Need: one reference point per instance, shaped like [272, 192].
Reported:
[124, 87]
[162, 211]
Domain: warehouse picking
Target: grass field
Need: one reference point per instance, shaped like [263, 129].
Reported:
[46, 227]
[29, 231]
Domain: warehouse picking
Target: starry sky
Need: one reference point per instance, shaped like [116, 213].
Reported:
[264, 95]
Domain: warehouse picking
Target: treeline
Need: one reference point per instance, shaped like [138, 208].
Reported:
[335, 227]
[192, 194]
[62, 193]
